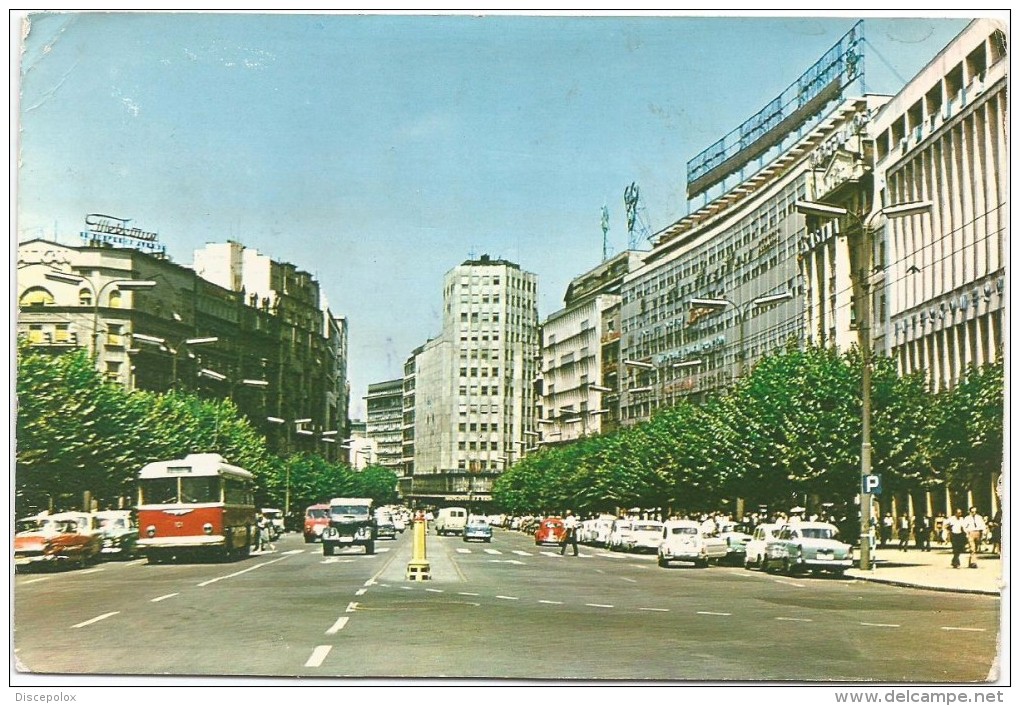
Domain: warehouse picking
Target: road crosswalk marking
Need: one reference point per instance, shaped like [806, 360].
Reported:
[493, 551]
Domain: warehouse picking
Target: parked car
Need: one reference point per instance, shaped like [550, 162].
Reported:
[736, 538]
[63, 538]
[478, 528]
[549, 531]
[619, 534]
[384, 526]
[316, 520]
[118, 531]
[684, 540]
[755, 551]
[644, 536]
[805, 546]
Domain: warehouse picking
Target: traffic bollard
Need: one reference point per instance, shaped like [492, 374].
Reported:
[418, 567]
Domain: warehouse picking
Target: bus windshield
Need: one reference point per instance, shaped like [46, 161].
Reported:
[165, 491]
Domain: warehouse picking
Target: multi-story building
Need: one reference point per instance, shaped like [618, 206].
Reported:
[155, 325]
[473, 396]
[384, 425]
[575, 340]
[921, 196]
[361, 449]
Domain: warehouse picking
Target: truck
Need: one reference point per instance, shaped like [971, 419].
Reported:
[351, 523]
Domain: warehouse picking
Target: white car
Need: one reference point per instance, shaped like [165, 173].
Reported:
[619, 535]
[645, 536]
[684, 540]
[755, 552]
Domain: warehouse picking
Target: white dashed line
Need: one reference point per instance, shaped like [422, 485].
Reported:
[318, 656]
[709, 612]
[465, 593]
[790, 583]
[360, 592]
[550, 553]
[965, 629]
[552, 602]
[163, 598]
[434, 590]
[44, 578]
[626, 578]
[104, 616]
[351, 607]
[493, 551]
[797, 620]
[657, 610]
[334, 560]
[518, 552]
[370, 582]
[881, 625]
[90, 571]
[461, 550]
[295, 551]
[337, 626]
[598, 605]
[509, 598]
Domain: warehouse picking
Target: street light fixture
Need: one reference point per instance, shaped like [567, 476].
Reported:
[718, 304]
[860, 271]
[600, 388]
[639, 364]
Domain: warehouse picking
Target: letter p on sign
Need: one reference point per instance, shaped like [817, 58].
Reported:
[871, 484]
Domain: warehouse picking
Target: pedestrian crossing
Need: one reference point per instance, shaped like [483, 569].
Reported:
[518, 552]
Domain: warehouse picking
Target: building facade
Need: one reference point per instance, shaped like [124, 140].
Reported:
[473, 394]
[384, 422]
[185, 332]
[575, 341]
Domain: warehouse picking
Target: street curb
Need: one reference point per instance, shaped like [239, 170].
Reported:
[909, 584]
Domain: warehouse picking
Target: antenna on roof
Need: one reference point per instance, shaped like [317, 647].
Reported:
[605, 232]
[637, 227]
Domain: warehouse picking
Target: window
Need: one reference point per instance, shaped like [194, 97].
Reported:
[36, 296]
[85, 297]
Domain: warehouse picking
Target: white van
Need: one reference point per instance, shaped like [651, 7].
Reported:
[451, 520]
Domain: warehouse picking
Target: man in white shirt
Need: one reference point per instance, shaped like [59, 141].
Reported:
[974, 526]
[570, 533]
[957, 536]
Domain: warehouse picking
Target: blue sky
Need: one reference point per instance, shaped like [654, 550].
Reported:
[378, 152]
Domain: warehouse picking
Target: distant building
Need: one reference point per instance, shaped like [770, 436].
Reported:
[384, 404]
[473, 395]
[360, 449]
[579, 385]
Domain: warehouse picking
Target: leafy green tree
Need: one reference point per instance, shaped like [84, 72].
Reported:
[378, 483]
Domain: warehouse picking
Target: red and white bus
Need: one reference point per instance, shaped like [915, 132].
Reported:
[198, 504]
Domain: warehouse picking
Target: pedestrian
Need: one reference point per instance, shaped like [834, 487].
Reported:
[569, 533]
[975, 527]
[957, 536]
[922, 533]
[995, 530]
[265, 539]
[903, 531]
[887, 528]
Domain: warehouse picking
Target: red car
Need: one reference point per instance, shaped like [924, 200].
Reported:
[550, 531]
[316, 520]
[67, 537]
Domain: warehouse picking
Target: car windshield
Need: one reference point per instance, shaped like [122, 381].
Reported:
[685, 530]
[318, 514]
[356, 510]
[818, 532]
[647, 528]
[30, 525]
[113, 523]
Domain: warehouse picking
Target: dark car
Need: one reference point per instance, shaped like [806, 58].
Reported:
[118, 531]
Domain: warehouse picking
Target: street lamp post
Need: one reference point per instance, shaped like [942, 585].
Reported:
[175, 349]
[861, 251]
[721, 303]
[127, 285]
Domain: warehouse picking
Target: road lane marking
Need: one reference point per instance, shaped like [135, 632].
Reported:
[163, 598]
[351, 607]
[789, 583]
[104, 616]
[797, 620]
[370, 582]
[42, 578]
[334, 560]
[598, 605]
[881, 625]
[509, 598]
[244, 571]
[552, 602]
[465, 593]
[965, 629]
[318, 656]
[360, 592]
[550, 554]
[709, 612]
[434, 590]
[657, 610]
[519, 552]
[506, 561]
[462, 550]
[295, 551]
[612, 556]
[493, 551]
[627, 578]
[337, 626]
[90, 571]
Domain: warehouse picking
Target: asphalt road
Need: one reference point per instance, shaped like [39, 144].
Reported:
[507, 609]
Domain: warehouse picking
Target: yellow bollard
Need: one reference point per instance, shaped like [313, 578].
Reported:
[418, 567]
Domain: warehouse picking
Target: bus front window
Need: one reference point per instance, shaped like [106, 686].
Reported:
[200, 490]
[158, 491]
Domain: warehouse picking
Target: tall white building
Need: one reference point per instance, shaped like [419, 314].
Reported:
[473, 401]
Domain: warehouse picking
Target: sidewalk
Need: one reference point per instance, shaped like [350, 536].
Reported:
[932, 570]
